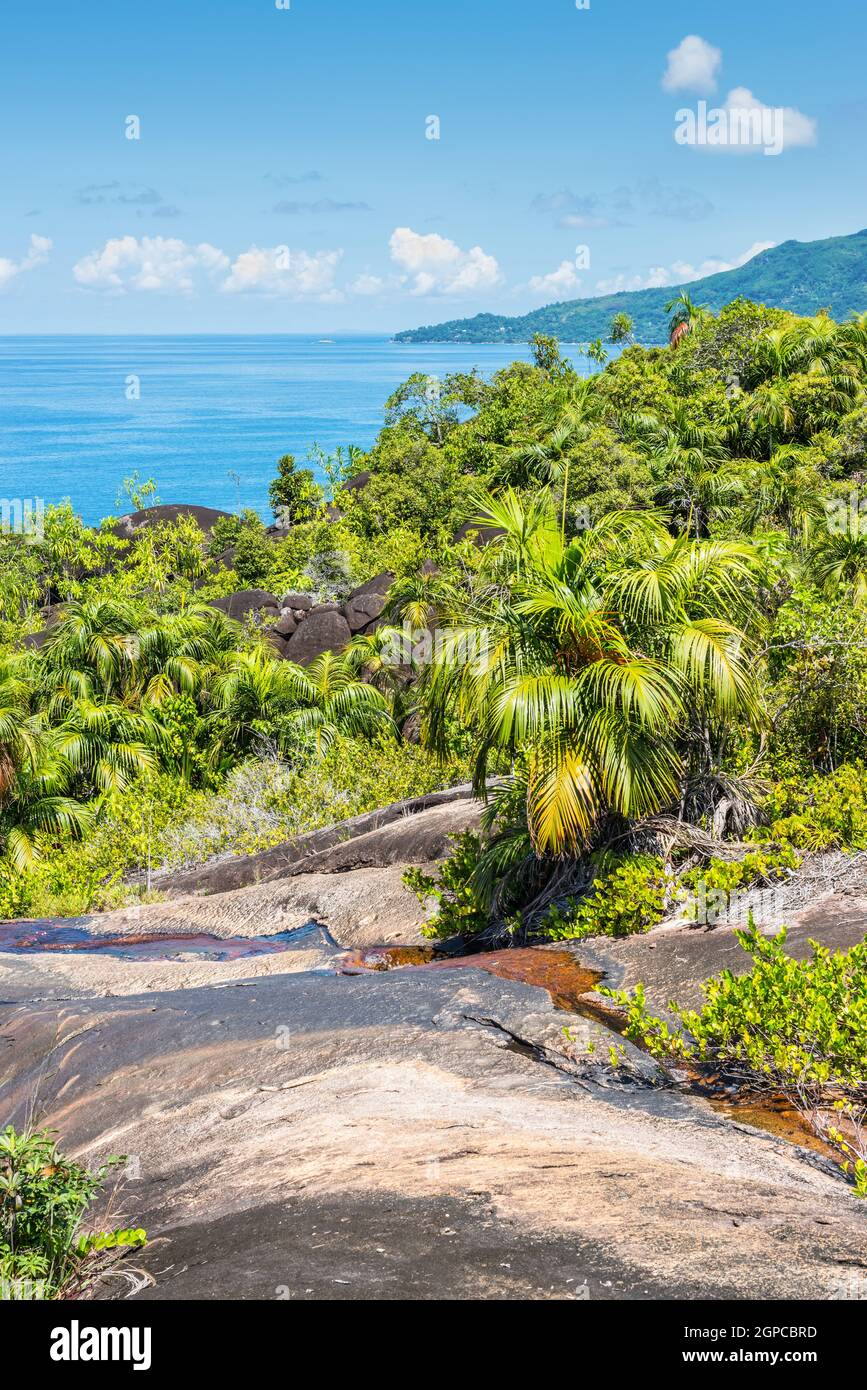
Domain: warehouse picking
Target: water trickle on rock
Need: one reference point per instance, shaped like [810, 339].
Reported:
[19, 938]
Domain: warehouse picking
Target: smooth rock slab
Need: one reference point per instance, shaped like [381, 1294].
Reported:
[432, 1090]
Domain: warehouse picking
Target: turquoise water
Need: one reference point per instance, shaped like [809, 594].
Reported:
[209, 407]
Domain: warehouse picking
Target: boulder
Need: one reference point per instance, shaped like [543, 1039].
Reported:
[437, 1132]
[406, 832]
[356, 483]
[482, 535]
[238, 605]
[360, 610]
[286, 623]
[379, 584]
[126, 527]
[50, 614]
[320, 632]
[280, 644]
[297, 601]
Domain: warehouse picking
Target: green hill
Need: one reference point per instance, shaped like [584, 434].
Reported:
[802, 276]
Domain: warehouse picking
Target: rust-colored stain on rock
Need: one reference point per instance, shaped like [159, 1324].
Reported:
[559, 972]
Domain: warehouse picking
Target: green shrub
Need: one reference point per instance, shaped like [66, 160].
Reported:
[266, 801]
[757, 866]
[76, 877]
[796, 1026]
[459, 910]
[44, 1198]
[626, 899]
[821, 812]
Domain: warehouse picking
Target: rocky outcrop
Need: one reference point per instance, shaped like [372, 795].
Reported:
[362, 609]
[425, 1133]
[322, 630]
[247, 601]
[127, 527]
[407, 832]
[299, 628]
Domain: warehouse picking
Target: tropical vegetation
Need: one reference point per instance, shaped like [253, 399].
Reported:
[628, 606]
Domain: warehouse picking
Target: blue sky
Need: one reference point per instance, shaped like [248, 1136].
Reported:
[283, 180]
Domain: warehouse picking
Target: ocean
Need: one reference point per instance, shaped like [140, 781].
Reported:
[211, 416]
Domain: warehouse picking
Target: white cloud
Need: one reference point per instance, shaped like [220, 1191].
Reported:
[751, 125]
[557, 284]
[680, 272]
[692, 66]
[36, 255]
[168, 265]
[433, 264]
[278, 270]
[366, 284]
[162, 264]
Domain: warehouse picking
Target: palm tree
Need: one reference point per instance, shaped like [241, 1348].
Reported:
[123, 651]
[107, 670]
[107, 745]
[785, 490]
[94, 644]
[769, 410]
[35, 808]
[622, 329]
[689, 463]
[250, 694]
[839, 558]
[686, 316]
[817, 346]
[594, 661]
[19, 733]
[331, 700]
[547, 458]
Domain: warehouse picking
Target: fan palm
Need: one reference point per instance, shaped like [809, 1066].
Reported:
[786, 491]
[839, 557]
[331, 700]
[593, 662]
[685, 316]
[546, 459]
[35, 807]
[107, 744]
[688, 460]
[250, 693]
[19, 732]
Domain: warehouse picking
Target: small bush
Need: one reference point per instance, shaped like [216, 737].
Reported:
[791, 1026]
[757, 866]
[821, 813]
[460, 911]
[44, 1198]
[626, 899]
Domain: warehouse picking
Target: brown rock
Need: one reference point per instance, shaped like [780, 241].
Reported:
[238, 605]
[320, 632]
[360, 610]
[379, 584]
[285, 624]
[126, 527]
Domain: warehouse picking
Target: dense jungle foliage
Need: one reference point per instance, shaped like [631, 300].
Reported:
[624, 603]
